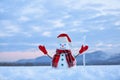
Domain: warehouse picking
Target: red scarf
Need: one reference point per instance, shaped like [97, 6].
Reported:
[70, 59]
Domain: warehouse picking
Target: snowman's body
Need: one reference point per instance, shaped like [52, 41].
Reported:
[62, 61]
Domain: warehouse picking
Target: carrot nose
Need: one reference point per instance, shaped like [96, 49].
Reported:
[62, 45]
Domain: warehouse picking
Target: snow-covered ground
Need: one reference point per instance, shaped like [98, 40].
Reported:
[48, 73]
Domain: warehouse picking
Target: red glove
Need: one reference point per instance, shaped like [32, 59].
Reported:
[43, 49]
[83, 49]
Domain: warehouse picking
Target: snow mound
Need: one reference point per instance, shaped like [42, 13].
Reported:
[48, 73]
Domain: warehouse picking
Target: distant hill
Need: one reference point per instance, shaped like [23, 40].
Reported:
[93, 58]
[43, 60]
[114, 60]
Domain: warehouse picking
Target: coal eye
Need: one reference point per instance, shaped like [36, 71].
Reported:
[60, 44]
[64, 44]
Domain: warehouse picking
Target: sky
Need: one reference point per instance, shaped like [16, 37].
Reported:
[25, 24]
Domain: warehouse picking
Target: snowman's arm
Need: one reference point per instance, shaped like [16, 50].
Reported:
[82, 50]
[43, 49]
[49, 56]
[77, 54]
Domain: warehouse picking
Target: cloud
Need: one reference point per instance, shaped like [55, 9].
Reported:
[24, 19]
[17, 55]
[20, 43]
[8, 28]
[103, 44]
[46, 34]
[30, 10]
[102, 28]
[37, 28]
[33, 10]
[110, 47]
[72, 30]
[57, 23]
[77, 23]
[4, 34]
[117, 23]
[66, 16]
[103, 8]
[112, 11]
[83, 30]
[12, 28]
[26, 33]
[99, 44]
[107, 4]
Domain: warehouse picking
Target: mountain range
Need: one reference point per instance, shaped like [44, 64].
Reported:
[93, 58]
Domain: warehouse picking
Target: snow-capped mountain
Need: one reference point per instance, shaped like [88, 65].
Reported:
[43, 60]
[94, 58]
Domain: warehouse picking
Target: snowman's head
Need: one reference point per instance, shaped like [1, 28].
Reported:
[64, 42]
[63, 46]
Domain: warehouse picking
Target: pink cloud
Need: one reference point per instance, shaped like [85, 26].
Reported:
[14, 56]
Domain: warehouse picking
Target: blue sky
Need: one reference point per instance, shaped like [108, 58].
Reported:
[24, 24]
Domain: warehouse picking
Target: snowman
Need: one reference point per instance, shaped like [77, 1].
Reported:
[63, 58]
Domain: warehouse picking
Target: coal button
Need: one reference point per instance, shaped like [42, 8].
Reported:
[62, 64]
[62, 59]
